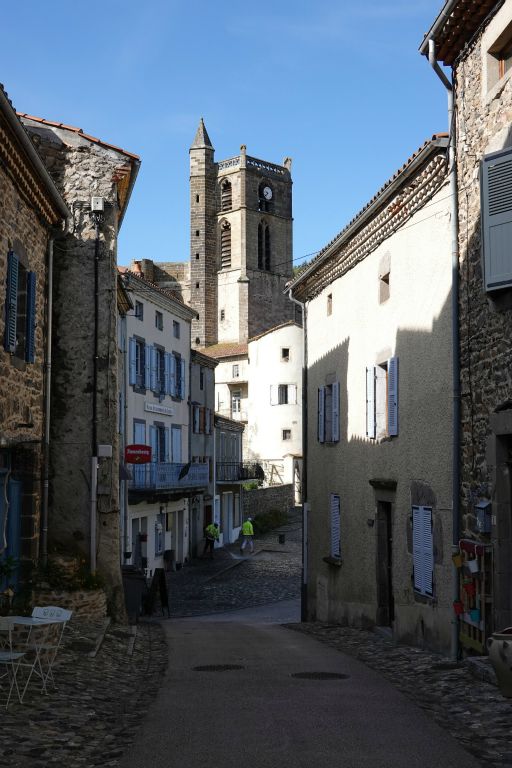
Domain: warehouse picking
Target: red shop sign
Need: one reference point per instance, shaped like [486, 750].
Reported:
[137, 454]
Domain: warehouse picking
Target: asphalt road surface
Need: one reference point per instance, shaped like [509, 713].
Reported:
[259, 714]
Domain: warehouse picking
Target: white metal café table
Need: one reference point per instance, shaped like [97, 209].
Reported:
[35, 641]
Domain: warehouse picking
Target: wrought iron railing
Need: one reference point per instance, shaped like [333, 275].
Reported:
[165, 476]
[238, 471]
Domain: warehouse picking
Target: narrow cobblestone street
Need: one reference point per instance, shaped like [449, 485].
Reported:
[108, 675]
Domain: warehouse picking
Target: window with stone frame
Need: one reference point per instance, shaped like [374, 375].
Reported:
[498, 46]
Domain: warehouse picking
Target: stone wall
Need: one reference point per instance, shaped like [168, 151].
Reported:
[484, 117]
[90, 604]
[262, 500]
[81, 169]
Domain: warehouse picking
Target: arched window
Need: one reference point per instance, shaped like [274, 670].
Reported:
[260, 246]
[225, 196]
[225, 245]
[267, 249]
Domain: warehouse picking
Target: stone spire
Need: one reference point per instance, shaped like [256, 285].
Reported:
[201, 139]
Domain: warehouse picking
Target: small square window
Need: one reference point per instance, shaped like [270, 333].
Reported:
[236, 371]
[222, 314]
[329, 304]
[287, 434]
[176, 329]
[139, 310]
[197, 233]
[201, 378]
[197, 255]
[197, 285]
[285, 354]
[384, 288]
[159, 321]
[197, 198]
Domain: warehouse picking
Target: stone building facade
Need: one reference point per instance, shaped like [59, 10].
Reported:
[31, 209]
[84, 459]
[475, 41]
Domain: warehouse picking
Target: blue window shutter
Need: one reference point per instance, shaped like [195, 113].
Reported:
[183, 374]
[496, 204]
[321, 414]
[370, 401]
[30, 344]
[147, 366]
[152, 375]
[11, 302]
[393, 396]
[153, 441]
[132, 354]
[167, 374]
[166, 437]
[336, 412]
[173, 376]
[423, 550]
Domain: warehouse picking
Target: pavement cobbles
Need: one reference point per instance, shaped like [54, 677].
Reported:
[104, 684]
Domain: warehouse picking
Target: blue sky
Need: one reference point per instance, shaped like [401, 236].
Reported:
[339, 86]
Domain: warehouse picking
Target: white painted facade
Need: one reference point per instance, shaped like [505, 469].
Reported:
[274, 429]
[379, 426]
[157, 414]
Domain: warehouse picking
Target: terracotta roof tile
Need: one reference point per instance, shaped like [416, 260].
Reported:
[80, 131]
[225, 349]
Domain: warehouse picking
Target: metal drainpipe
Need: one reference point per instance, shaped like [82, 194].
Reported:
[94, 458]
[124, 337]
[304, 483]
[455, 335]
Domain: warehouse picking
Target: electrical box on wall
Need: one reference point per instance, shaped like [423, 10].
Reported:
[97, 204]
[483, 516]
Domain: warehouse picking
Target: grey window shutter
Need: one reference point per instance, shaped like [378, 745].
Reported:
[167, 373]
[11, 302]
[370, 401]
[393, 396]
[496, 191]
[321, 414]
[167, 444]
[132, 346]
[335, 526]
[30, 344]
[335, 412]
[173, 376]
[417, 526]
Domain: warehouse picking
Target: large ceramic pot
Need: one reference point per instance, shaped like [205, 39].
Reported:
[500, 655]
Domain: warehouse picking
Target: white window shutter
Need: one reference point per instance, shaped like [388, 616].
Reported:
[335, 412]
[147, 366]
[292, 394]
[335, 526]
[370, 401]
[393, 396]
[321, 414]
[274, 394]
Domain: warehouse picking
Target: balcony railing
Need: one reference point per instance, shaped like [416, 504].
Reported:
[237, 471]
[162, 476]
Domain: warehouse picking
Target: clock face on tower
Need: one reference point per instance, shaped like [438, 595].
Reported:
[267, 193]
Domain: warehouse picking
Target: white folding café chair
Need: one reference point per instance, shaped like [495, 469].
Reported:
[11, 659]
[47, 652]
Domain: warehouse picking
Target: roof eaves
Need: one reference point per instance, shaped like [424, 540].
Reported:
[438, 140]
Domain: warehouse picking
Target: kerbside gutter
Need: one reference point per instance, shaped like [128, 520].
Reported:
[455, 321]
